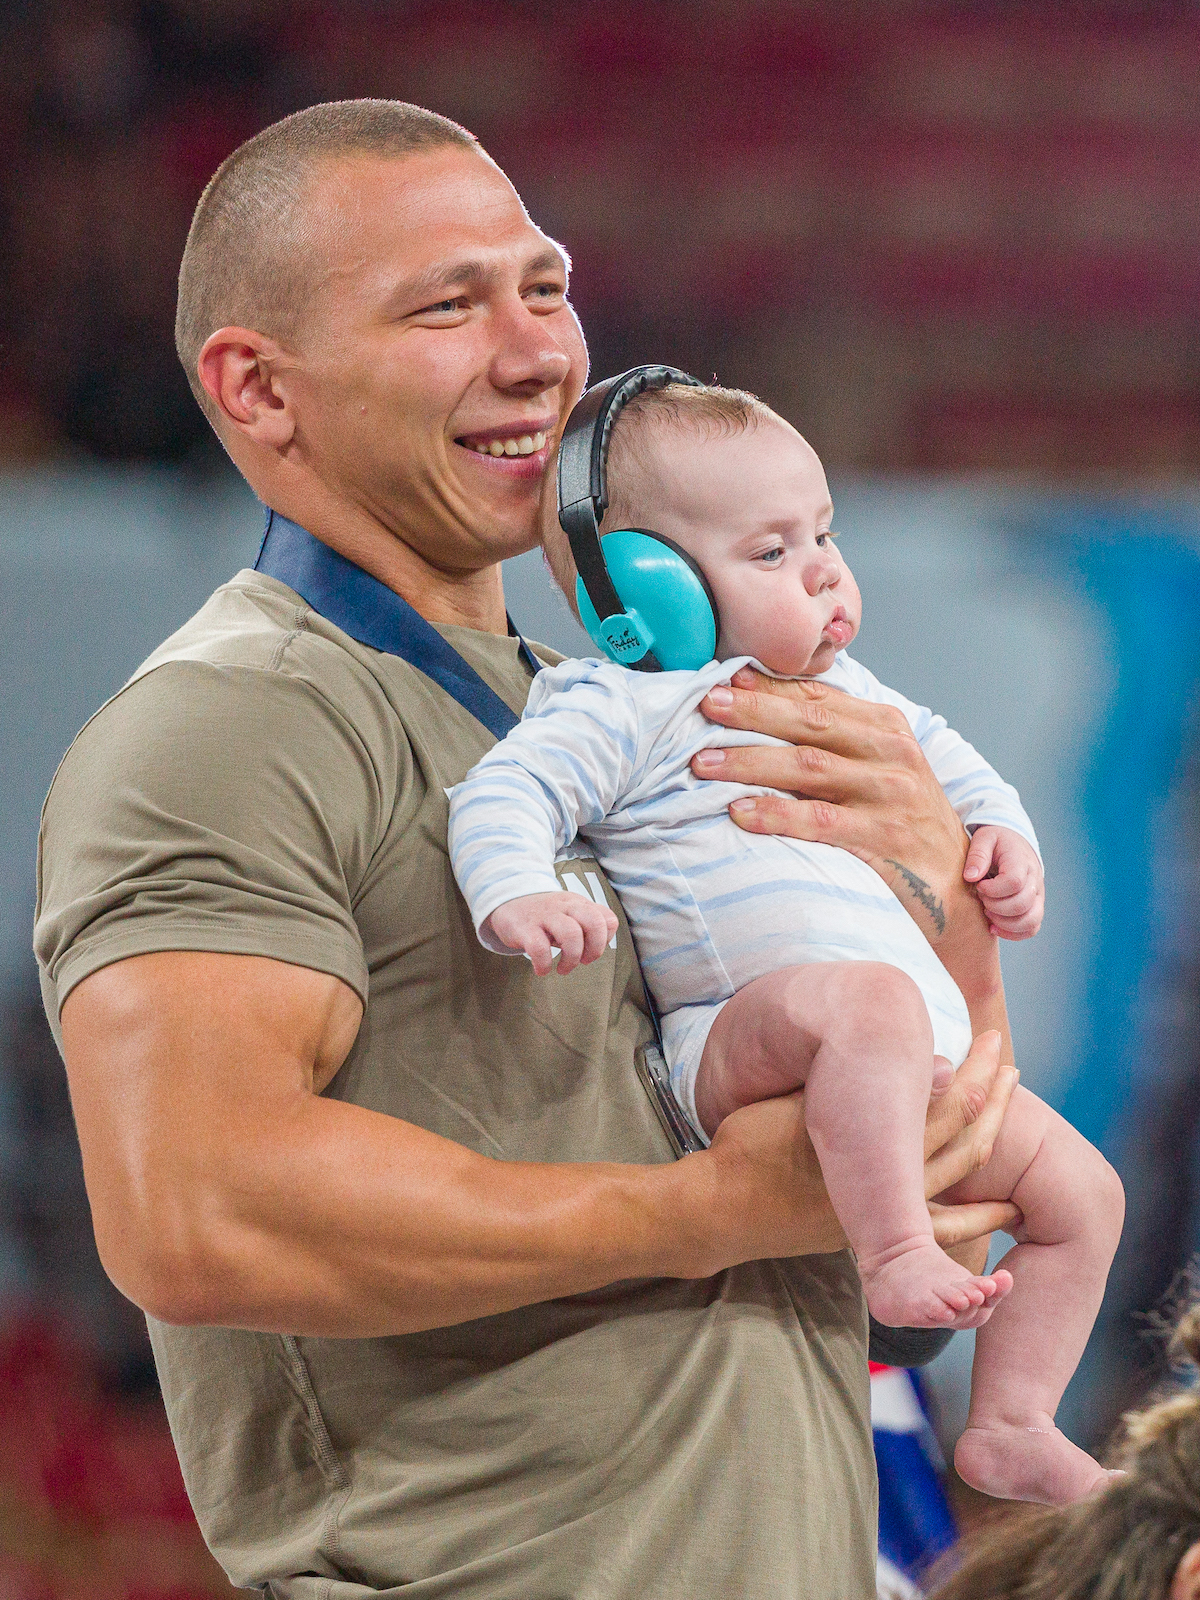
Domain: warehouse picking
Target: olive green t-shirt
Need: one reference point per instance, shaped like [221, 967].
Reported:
[266, 786]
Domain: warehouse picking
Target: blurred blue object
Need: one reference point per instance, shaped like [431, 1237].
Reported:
[916, 1525]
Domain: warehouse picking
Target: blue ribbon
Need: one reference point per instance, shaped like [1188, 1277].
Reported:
[375, 615]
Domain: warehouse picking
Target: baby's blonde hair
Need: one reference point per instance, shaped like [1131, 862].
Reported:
[1122, 1544]
[707, 409]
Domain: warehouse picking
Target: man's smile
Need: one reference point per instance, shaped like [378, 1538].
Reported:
[519, 449]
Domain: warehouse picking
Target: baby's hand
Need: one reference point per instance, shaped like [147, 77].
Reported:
[536, 922]
[1009, 881]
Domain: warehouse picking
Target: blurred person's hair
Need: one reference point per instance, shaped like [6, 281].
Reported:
[1124, 1543]
[243, 264]
[707, 409]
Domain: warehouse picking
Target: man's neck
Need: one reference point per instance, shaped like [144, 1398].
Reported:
[469, 599]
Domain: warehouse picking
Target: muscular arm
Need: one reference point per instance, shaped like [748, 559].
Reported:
[856, 777]
[225, 1190]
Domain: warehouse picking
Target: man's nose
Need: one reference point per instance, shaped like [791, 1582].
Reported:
[528, 358]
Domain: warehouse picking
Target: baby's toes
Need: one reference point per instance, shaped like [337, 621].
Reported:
[974, 1318]
[958, 1297]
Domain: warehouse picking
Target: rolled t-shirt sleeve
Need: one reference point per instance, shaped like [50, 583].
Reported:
[208, 807]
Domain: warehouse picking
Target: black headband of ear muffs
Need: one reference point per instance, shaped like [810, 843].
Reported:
[583, 473]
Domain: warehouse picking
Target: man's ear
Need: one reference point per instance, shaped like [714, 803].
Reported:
[1186, 1583]
[239, 371]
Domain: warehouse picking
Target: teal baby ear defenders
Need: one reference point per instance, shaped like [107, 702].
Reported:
[642, 599]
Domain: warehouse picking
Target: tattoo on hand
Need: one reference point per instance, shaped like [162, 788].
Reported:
[922, 894]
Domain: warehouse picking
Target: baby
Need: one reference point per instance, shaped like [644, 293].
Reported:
[777, 964]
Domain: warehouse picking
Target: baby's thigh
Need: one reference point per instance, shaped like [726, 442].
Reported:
[767, 1036]
[1042, 1163]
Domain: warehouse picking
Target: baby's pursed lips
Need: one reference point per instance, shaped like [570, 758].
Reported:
[839, 627]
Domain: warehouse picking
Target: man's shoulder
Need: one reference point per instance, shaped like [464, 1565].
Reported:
[256, 622]
[254, 667]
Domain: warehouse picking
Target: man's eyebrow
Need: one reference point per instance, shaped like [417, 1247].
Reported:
[430, 286]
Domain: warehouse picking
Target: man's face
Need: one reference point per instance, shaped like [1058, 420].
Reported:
[438, 333]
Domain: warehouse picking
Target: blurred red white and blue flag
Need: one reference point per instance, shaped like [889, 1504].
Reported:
[915, 1522]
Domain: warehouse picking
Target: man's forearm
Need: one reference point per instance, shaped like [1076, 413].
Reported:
[352, 1224]
[970, 953]
[224, 1190]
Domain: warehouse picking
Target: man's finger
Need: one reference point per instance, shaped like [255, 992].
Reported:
[815, 820]
[954, 1225]
[795, 768]
[971, 1149]
[805, 712]
[964, 1101]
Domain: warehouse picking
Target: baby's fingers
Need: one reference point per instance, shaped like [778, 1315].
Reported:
[536, 946]
[1022, 927]
[980, 854]
[597, 931]
[567, 934]
[1005, 884]
[1010, 902]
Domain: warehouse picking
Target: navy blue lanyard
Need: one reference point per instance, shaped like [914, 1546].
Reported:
[375, 615]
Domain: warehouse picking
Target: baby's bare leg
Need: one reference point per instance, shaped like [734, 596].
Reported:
[1073, 1206]
[855, 1035]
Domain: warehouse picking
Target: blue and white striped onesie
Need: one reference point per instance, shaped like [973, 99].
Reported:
[603, 752]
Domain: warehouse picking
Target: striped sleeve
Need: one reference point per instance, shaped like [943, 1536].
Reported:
[974, 788]
[562, 768]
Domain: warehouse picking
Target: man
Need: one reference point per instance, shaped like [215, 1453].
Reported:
[433, 1307]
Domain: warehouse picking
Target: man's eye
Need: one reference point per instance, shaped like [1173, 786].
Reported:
[547, 291]
[444, 305]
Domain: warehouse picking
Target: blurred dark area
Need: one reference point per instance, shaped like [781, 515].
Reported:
[946, 236]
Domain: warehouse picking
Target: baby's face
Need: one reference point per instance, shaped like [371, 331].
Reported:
[753, 510]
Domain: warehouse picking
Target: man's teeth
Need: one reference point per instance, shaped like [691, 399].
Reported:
[523, 445]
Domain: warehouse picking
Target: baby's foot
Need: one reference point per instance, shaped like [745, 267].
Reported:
[1027, 1461]
[921, 1287]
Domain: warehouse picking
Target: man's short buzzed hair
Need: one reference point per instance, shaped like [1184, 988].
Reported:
[242, 265]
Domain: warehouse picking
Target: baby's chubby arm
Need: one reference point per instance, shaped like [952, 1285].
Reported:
[562, 768]
[538, 923]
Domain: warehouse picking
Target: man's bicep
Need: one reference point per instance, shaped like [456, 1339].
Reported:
[179, 1062]
[207, 809]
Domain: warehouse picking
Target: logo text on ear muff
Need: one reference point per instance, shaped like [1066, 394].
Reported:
[626, 636]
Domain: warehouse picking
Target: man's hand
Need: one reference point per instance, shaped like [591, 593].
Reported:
[854, 776]
[540, 923]
[1009, 881]
[766, 1145]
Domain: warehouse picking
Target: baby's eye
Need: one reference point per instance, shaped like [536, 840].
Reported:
[824, 540]
[771, 558]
